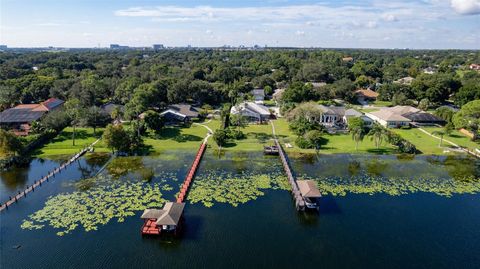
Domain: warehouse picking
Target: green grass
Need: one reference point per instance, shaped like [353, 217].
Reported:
[455, 137]
[258, 135]
[425, 143]
[174, 137]
[381, 103]
[338, 143]
[62, 143]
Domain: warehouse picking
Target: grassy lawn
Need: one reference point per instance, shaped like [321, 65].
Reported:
[62, 143]
[172, 138]
[456, 137]
[258, 135]
[339, 143]
[425, 143]
[381, 103]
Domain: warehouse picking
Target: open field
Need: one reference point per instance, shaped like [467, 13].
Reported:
[62, 143]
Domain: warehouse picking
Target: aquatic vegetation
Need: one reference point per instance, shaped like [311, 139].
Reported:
[211, 187]
[95, 207]
[340, 186]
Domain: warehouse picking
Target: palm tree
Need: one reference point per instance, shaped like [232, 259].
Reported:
[357, 135]
[378, 134]
[441, 134]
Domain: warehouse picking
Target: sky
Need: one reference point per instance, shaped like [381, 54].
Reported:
[414, 24]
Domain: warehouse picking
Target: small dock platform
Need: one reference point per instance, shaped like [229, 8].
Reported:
[270, 150]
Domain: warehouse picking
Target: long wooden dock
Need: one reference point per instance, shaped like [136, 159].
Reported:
[191, 173]
[297, 196]
[50, 174]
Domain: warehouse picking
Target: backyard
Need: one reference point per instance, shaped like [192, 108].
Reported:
[62, 143]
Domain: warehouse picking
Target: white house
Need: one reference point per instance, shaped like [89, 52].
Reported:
[336, 115]
[252, 111]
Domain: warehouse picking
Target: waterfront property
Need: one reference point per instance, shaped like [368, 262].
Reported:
[20, 117]
[180, 113]
[398, 116]
[252, 111]
[336, 116]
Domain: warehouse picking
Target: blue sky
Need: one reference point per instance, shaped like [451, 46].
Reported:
[353, 24]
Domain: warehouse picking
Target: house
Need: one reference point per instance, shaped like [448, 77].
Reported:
[388, 118]
[404, 81]
[475, 67]
[277, 95]
[258, 95]
[180, 113]
[347, 59]
[336, 116]
[365, 95]
[20, 118]
[429, 70]
[251, 111]
[398, 116]
[166, 219]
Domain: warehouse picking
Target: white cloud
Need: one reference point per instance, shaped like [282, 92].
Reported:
[466, 7]
[389, 17]
[300, 33]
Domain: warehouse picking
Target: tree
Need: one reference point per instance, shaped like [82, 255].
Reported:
[10, 144]
[445, 113]
[378, 134]
[238, 120]
[220, 137]
[116, 138]
[55, 120]
[468, 117]
[75, 111]
[315, 138]
[153, 120]
[441, 134]
[357, 129]
[8, 96]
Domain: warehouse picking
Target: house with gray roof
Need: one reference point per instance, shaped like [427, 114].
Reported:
[168, 218]
[180, 113]
[258, 95]
[252, 111]
[398, 116]
[336, 115]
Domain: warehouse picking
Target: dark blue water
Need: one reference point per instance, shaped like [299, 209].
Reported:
[420, 230]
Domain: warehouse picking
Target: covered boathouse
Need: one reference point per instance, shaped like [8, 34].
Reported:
[310, 193]
[166, 219]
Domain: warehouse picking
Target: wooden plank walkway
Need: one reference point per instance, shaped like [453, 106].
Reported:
[51, 174]
[191, 173]
[297, 196]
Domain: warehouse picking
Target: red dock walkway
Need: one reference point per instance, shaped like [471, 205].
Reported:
[191, 173]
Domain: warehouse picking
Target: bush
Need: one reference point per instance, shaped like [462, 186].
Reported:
[235, 134]
[302, 143]
[406, 127]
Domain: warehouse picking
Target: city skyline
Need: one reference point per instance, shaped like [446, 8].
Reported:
[429, 24]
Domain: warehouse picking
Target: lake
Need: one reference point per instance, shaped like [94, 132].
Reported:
[377, 212]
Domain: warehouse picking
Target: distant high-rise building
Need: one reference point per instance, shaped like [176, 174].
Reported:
[117, 46]
[158, 46]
